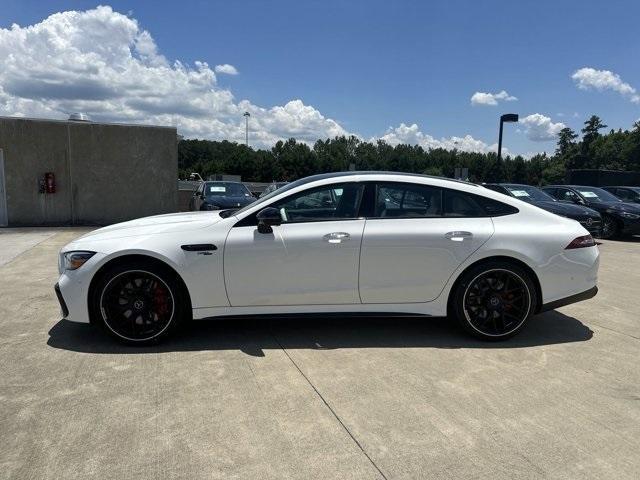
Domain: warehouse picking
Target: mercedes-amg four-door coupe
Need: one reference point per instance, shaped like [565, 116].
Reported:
[348, 243]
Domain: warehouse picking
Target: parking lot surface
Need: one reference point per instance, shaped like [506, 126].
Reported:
[321, 398]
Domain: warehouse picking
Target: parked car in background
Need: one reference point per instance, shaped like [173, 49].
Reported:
[618, 217]
[626, 194]
[272, 188]
[588, 218]
[351, 242]
[220, 196]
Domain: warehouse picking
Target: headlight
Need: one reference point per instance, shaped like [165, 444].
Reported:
[74, 260]
[630, 216]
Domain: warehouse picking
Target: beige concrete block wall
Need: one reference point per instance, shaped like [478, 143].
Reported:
[105, 173]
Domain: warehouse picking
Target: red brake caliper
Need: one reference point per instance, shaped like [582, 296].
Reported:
[161, 300]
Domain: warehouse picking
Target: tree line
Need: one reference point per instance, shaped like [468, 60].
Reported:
[289, 160]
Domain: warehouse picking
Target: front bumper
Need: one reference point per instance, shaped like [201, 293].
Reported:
[64, 310]
[72, 290]
[591, 225]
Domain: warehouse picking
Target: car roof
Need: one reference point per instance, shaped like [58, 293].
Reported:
[364, 173]
[573, 186]
[621, 186]
[513, 185]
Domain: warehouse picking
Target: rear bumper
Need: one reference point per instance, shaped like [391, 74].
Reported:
[578, 297]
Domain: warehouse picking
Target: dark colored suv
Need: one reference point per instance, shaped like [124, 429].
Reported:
[588, 218]
[626, 194]
[618, 217]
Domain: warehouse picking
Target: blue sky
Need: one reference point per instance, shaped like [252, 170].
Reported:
[371, 65]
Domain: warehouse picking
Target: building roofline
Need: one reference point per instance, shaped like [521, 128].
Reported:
[91, 122]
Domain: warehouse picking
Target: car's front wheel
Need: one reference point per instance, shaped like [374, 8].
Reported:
[138, 302]
[493, 301]
[609, 227]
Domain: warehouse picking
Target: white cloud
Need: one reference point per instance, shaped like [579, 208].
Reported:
[104, 64]
[412, 135]
[481, 98]
[226, 69]
[589, 78]
[540, 128]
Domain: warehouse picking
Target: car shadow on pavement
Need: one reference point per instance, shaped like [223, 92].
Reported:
[254, 335]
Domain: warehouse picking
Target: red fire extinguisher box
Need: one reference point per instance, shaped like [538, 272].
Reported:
[49, 182]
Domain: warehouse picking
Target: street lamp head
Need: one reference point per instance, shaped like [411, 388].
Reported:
[246, 114]
[509, 117]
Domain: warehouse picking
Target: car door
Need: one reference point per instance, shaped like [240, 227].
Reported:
[415, 238]
[310, 259]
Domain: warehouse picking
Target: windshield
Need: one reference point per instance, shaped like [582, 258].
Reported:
[269, 196]
[226, 189]
[529, 194]
[593, 194]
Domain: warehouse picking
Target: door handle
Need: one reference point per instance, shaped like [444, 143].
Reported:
[458, 236]
[336, 237]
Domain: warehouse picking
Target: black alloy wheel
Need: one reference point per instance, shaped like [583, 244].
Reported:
[139, 302]
[493, 301]
[609, 227]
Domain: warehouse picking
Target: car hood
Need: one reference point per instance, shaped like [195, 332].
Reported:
[623, 207]
[169, 223]
[560, 208]
[229, 202]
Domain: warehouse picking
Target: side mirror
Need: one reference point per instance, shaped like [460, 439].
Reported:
[578, 200]
[268, 218]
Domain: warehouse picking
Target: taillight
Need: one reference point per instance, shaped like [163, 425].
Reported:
[581, 242]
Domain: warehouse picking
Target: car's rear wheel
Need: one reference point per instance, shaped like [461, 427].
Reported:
[493, 301]
[609, 227]
[138, 303]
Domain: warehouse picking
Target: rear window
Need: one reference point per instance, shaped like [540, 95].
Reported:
[462, 204]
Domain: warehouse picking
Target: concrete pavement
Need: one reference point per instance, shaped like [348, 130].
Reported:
[321, 398]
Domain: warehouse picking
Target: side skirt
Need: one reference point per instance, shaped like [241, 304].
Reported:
[431, 309]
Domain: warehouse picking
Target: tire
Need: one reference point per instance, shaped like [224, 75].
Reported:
[493, 301]
[610, 228]
[140, 302]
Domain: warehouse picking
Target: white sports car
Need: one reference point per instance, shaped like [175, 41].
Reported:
[356, 242]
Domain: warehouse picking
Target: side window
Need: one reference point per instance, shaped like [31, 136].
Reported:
[494, 208]
[460, 204]
[568, 195]
[332, 202]
[401, 200]
[551, 191]
[623, 194]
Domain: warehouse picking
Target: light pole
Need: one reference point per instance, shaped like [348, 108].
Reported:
[246, 116]
[508, 118]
